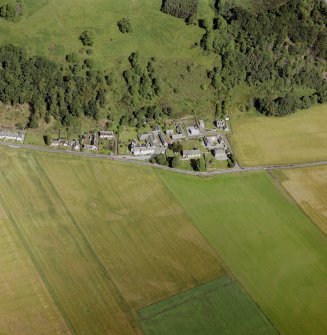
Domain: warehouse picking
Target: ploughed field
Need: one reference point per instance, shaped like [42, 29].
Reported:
[90, 246]
[297, 138]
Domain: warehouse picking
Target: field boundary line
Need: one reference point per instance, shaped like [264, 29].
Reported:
[38, 267]
[172, 306]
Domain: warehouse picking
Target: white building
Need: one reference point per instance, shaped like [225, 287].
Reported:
[12, 136]
[193, 131]
[106, 135]
[143, 150]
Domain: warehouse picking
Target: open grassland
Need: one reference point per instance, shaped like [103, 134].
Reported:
[309, 189]
[275, 251]
[219, 307]
[52, 28]
[297, 138]
[105, 238]
[26, 306]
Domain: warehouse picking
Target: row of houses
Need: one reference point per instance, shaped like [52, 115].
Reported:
[10, 135]
[88, 142]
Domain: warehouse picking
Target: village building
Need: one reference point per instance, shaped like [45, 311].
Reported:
[142, 149]
[219, 154]
[193, 131]
[90, 147]
[12, 136]
[177, 137]
[212, 142]
[221, 124]
[162, 139]
[191, 154]
[106, 135]
[221, 140]
[55, 143]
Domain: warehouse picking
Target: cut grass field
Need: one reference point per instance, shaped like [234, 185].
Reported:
[22, 289]
[268, 243]
[297, 138]
[219, 307]
[105, 238]
[308, 187]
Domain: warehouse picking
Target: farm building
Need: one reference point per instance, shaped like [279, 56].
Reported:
[220, 154]
[106, 135]
[189, 154]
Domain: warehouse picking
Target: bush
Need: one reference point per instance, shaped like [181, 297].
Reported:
[175, 162]
[12, 11]
[87, 38]
[124, 26]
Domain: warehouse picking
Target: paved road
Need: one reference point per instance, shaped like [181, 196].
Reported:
[130, 159]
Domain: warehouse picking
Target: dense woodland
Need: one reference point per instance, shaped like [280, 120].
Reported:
[64, 91]
[277, 52]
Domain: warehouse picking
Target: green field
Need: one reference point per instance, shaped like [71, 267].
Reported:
[106, 239]
[296, 138]
[219, 307]
[308, 187]
[270, 246]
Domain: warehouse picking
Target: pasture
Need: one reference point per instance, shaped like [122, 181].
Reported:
[296, 138]
[267, 242]
[308, 187]
[219, 307]
[106, 239]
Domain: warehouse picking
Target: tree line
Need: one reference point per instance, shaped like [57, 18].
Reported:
[180, 8]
